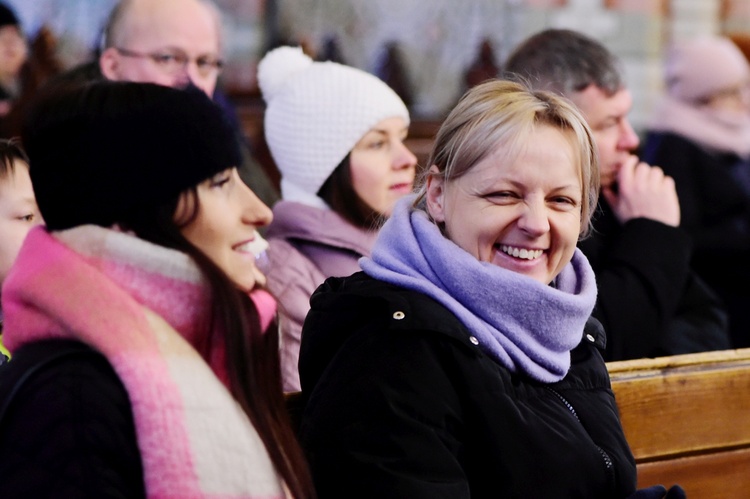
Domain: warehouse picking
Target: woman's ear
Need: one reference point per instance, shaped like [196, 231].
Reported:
[435, 196]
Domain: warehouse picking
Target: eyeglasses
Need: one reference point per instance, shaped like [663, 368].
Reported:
[175, 62]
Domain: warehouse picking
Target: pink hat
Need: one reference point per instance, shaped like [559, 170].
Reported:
[698, 68]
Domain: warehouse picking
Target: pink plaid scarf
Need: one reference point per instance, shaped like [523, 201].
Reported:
[142, 306]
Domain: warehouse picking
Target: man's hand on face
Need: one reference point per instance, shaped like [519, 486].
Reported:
[644, 191]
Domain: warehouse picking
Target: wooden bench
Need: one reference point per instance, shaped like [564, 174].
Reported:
[687, 419]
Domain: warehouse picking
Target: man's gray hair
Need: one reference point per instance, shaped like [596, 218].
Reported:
[565, 62]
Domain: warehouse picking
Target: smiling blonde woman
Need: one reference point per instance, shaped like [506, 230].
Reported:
[463, 361]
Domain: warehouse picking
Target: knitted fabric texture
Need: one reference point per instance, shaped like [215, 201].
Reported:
[698, 68]
[109, 149]
[316, 113]
[143, 307]
[524, 325]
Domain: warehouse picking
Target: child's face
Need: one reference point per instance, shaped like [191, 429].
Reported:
[18, 214]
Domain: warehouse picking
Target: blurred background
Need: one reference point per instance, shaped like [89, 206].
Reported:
[428, 50]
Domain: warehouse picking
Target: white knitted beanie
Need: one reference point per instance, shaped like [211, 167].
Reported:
[702, 66]
[316, 112]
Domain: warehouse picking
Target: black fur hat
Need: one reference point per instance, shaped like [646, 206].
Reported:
[100, 150]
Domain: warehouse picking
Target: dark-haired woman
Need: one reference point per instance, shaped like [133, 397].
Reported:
[336, 134]
[143, 357]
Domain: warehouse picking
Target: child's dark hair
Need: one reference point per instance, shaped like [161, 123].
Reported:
[10, 152]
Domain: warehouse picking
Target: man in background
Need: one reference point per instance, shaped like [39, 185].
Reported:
[173, 43]
[650, 302]
[13, 54]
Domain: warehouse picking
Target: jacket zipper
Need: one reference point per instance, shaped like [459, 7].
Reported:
[609, 468]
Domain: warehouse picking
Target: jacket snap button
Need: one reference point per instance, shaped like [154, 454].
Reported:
[398, 315]
[590, 338]
[473, 340]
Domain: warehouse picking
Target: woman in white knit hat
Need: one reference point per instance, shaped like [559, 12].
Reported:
[336, 135]
[700, 136]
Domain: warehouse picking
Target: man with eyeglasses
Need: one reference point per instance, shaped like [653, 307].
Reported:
[169, 42]
[173, 43]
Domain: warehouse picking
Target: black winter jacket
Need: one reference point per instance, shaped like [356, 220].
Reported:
[86, 446]
[650, 301]
[400, 402]
[715, 211]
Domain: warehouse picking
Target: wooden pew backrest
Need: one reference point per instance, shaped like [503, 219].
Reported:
[687, 419]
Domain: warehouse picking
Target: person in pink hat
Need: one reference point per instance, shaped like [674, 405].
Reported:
[700, 136]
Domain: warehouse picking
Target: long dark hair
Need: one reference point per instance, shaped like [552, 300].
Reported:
[338, 192]
[252, 359]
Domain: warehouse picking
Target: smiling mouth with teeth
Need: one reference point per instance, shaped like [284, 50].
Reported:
[522, 253]
[256, 246]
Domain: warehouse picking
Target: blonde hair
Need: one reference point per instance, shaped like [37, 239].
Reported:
[503, 114]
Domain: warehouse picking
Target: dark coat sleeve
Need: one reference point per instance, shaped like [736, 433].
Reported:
[713, 208]
[68, 431]
[700, 323]
[641, 270]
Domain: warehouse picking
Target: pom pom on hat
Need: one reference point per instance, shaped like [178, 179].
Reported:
[316, 112]
[698, 68]
[278, 67]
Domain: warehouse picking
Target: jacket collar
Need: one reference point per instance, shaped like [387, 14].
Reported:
[297, 221]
